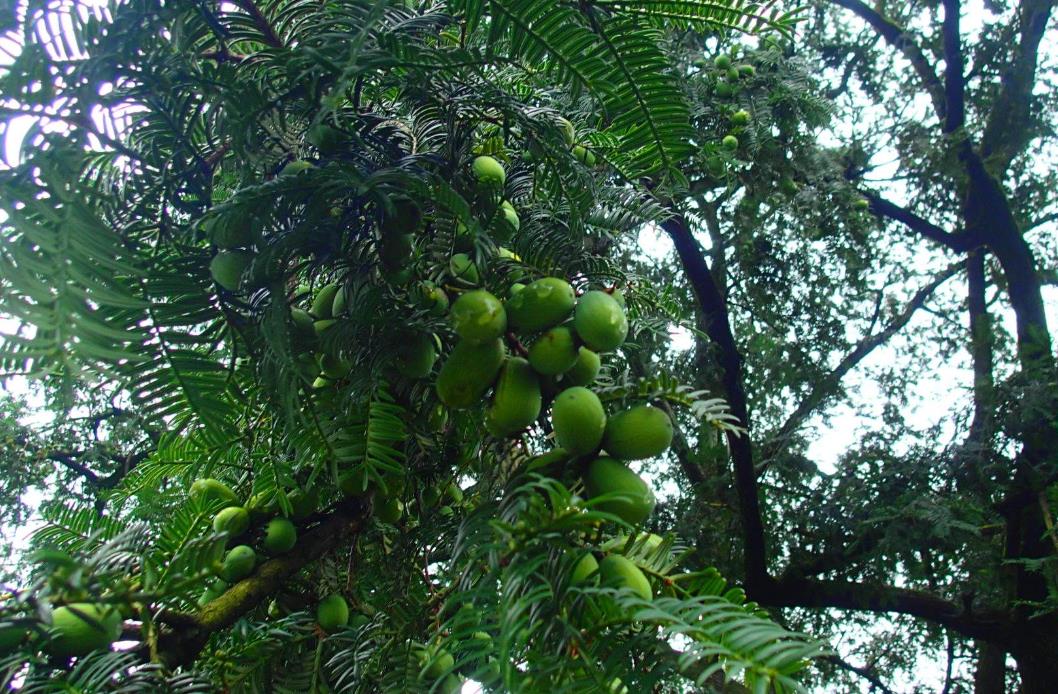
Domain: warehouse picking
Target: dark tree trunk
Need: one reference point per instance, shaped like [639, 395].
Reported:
[990, 677]
[1036, 655]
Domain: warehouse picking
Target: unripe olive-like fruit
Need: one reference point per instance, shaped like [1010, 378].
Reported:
[296, 167]
[509, 216]
[554, 352]
[335, 368]
[79, 628]
[730, 143]
[238, 563]
[542, 304]
[437, 662]
[722, 61]
[323, 304]
[584, 568]
[303, 503]
[861, 204]
[280, 536]
[517, 400]
[432, 298]
[600, 321]
[568, 133]
[578, 419]
[585, 370]
[463, 269]
[633, 501]
[478, 316]
[228, 267]
[636, 433]
[207, 490]
[302, 321]
[234, 520]
[488, 172]
[740, 118]
[724, 90]
[416, 355]
[552, 459]
[621, 572]
[389, 510]
[332, 613]
[325, 138]
[746, 70]
[584, 155]
[231, 231]
[468, 372]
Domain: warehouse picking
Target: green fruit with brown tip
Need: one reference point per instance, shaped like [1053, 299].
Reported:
[541, 305]
[600, 321]
[415, 356]
[228, 267]
[323, 304]
[280, 537]
[584, 155]
[469, 372]
[639, 432]
[585, 370]
[578, 419]
[463, 269]
[238, 563]
[516, 402]
[332, 613]
[584, 569]
[234, 520]
[632, 499]
[488, 173]
[554, 352]
[620, 572]
[478, 316]
[79, 628]
[389, 510]
[208, 490]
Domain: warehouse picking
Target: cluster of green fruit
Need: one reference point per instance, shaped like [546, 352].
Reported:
[728, 74]
[615, 569]
[277, 536]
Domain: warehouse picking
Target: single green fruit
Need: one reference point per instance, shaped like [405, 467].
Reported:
[740, 117]
[722, 61]
[358, 621]
[274, 610]
[568, 132]
[732, 75]
[332, 613]
[554, 352]
[207, 490]
[788, 186]
[322, 326]
[488, 172]
[280, 537]
[509, 217]
[231, 231]
[716, 165]
[262, 505]
[746, 70]
[647, 541]
[322, 382]
[303, 503]
[234, 520]
[302, 321]
[600, 321]
[553, 458]
[323, 304]
[238, 563]
[584, 568]
[861, 204]
[454, 493]
[430, 297]
[542, 304]
[437, 662]
[463, 241]
[354, 483]
[340, 303]
[468, 373]
[585, 370]
[638, 432]
[214, 590]
[389, 510]
[620, 572]
[462, 268]
[730, 143]
[584, 155]
[515, 288]
[227, 268]
[416, 355]
[296, 167]
[724, 90]
[609, 476]
[335, 368]
[79, 628]
[516, 401]
[478, 316]
[578, 420]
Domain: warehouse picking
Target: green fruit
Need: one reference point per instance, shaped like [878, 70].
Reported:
[432, 298]
[436, 663]
[740, 118]
[584, 155]
[231, 231]
[746, 70]
[554, 352]
[468, 373]
[280, 537]
[296, 167]
[214, 590]
[400, 277]
[553, 458]
[322, 326]
[722, 62]
[454, 493]
[639, 432]
[788, 186]
[861, 204]
[516, 402]
[542, 304]
[724, 90]
[730, 143]
[323, 304]
[438, 418]
[463, 241]
[515, 288]
[238, 563]
[600, 321]
[578, 420]
[332, 613]
[488, 172]
[416, 355]
[80, 628]
[335, 368]
[340, 303]
[509, 217]
[585, 370]
[227, 268]
[303, 503]
[462, 268]
[633, 501]
[568, 133]
[716, 165]
[354, 483]
[732, 75]
[234, 520]
[406, 218]
[478, 316]
[322, 382]
[620, 572]
[302, 321]
[389, 510]
[262, 505]
[207, 491]
[584, 568]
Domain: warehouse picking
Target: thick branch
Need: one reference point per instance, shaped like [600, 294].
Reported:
[68, 459]
[180, 647]
[954, 82]
[896, 37]
[884, 208]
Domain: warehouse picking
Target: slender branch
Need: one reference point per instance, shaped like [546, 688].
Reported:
[884, 208]
[866, 673]
[895, 36]
[261, 22]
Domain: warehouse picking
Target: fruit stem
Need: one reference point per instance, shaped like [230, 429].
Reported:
[516, 345]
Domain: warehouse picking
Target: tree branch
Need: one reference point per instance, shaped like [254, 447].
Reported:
[866, 673]
[181, 646]
[261, 22]
[954, 81]
[884, 208]
[68, 459]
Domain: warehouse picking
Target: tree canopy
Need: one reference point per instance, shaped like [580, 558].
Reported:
[389, 346]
